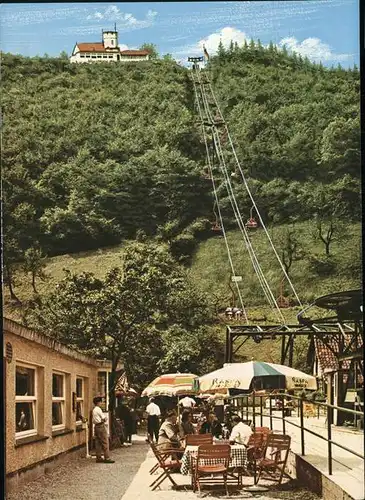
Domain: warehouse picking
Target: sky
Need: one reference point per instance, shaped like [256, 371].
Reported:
[323, 30]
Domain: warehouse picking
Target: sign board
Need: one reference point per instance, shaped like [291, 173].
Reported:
[195, 59]
[236, 279]
[350, 397]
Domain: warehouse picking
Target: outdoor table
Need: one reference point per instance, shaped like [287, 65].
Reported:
[238, 458]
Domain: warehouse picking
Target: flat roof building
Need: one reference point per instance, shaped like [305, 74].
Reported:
[49, 390]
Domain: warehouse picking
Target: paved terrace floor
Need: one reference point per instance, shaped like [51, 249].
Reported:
[347, 469]
[128, 479]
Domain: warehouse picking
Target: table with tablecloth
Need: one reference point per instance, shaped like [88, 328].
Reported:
[238, 458]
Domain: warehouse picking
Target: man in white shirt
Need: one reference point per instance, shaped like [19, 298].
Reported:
[153, 424]
[100, 433]
[187, 402]
[240, 433]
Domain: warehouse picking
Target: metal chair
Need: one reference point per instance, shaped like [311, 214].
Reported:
[218, 456]
[280, 444]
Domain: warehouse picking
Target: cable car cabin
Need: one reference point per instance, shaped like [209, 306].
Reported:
[251, 223]
[206, 175]
[217, 228]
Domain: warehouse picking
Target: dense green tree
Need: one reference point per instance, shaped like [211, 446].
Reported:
[152, 49]
[122, 316]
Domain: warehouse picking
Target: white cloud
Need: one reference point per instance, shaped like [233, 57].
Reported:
[227, 35]
[211, 42]
[125, 20]
[313, 48]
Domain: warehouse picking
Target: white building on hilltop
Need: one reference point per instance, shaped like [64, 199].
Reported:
[106, 51]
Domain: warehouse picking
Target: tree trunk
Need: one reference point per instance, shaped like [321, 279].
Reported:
[10, 285]
[33, 283]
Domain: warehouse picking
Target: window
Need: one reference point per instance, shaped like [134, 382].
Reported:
[99, 57]
[58, 401]
[82, 55]
[105, 57]
[112, 42]
[25, 401]
[110, 57]
[79, 399]
[93, 57]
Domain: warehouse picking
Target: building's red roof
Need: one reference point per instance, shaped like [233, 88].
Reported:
[134, 52]
[91, 47]
[99, 47]
[327, 358]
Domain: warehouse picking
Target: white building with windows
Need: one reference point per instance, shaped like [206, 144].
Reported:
[49, 390]
[106, 51]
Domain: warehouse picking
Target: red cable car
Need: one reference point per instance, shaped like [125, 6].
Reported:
[251, 223]
[216, 227]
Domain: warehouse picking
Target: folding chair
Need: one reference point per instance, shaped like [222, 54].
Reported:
[265, 431]
[167, 465]
[280, 444]
[255, 447]
[198, 439]
[218, 456]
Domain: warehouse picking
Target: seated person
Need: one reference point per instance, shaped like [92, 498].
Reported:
[211, 426]
[168, 435]
[186, 426]
[240, 433]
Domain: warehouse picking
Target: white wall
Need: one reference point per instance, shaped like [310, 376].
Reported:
[91, 57]
[110, 39]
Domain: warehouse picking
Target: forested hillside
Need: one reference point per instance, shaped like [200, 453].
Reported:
[94, 154]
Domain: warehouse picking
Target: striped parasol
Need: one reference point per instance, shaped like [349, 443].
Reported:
[255, 375]
[171, 384]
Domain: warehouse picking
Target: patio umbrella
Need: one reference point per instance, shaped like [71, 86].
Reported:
[257, 375]
[171, 384]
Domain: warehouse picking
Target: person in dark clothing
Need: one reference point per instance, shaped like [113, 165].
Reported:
[153, 424]
[211, 426]
[186, 426]
[124, 414]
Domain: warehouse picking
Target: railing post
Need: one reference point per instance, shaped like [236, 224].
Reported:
[254, 411]
[261, 415]
[246, 407]
[270, 410]
[301, 425]
[329, 437]
[283, 412]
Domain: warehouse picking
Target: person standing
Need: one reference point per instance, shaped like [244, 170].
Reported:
[187, 403]
[153, 413]
[100, 433]
[124, 414]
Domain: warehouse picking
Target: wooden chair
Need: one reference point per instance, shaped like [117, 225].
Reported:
[167, 465]
[198, 439]
[219, 455]
[280, 446]
[165, 454]
[255, 447]
[265, 431]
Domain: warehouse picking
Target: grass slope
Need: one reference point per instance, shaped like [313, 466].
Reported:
[210, 268]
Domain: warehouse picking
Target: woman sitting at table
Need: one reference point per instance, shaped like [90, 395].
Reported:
[240, 433]
[186, 426]
[211, 426]
[168, 435]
